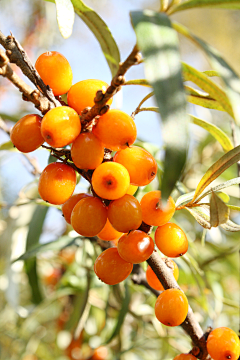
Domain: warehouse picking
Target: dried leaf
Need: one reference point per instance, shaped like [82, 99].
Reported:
[219, 212]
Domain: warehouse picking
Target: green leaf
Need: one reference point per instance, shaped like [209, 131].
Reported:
[65, 17]
[230, 158]
[101, 32]
[7, 146]
[206, 84]
[209, 73]
[159, 44]
[217, 133]
[219, 187]
[193, 4]
[229, 76]
[154, 109]
[201, 216]
[219, 212]
[231, 226]
[34, 232]
[142, 82]
[207, 103]
[233, 207]
[184, 198]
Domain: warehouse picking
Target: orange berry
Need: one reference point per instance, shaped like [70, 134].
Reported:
[55, 71]
[26, 133]
[109, 233]
[116, 130]
[111, 268]
[68, 206]
[152, 212]
[100, 353]
[60, 126]
[171, 307]
[171, 240]
[141, 165]
[132, 189]
[53, 277]
[135, 247]
[125, 213]
[87, 151]
[185, 357]
[82, 94]
[223, 344]
[110, 180]
[89, 216]
[57, 183]
[152, 278]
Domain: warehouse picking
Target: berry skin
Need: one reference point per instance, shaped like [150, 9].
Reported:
[108, 233]
[57, 183]
[152, 278]
[152, 212]
[55, 71]
[99, 353]
[60, 126]
[125, 213]
[87, 151]
[135, 247]
[111, 268]
[223, 344]
[141, 165]
[132, 189]
[26, 133]
[82, 94]
[171, 307]
[110, 180]
[171, 240]
[185, 357]
[116, 130]
[68, 206]
[89, 216]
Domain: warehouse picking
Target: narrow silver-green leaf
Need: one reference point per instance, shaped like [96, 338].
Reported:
[230, 226]
[101, 32]
[142, 82]
[219, 212]
[219, 187]
[158, 42]
[201, 216]
[193, 4]
[207, 103]
[7, 146]
[184, 198]
[65, 17]
[211, 73]
[233, 207]
[217, 133]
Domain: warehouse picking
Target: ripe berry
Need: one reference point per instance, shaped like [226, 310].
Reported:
[55, 71]
[108, 233]
[141, 165]
[223, 344]
[171, 240]
[152, 278]
[82, 94]
[60, 126]
[100, 353]
[116, 130]
[135, 247]
[68, 206]
[111, 268]
[125, 213]
[26, 133]
[110, 180]
[153, 214]
[132, 189]
[57, 183]
[171, 307]
[185, 357]
[87, 151]
[89, 216]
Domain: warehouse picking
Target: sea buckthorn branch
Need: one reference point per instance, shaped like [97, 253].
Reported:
[28, 94]
[18, 56]
[101, 99]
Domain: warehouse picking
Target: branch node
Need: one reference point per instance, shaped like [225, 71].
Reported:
[104, 109]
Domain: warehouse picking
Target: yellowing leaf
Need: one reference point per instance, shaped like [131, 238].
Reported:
[219, 212]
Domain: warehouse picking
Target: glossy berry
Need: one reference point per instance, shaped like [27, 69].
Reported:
[57, 183]
[141, 165]
[152, 278]
[125, 213]
[100, 353]
[185, 357]
[55, 71]
[116, 130]
[26, 133]
[89, 216]
[110, 180]
[135, 247]
[171, 240]
[223, 344]
[111, 268]
[60, 126]
[68, 206]
[171, 307]
[82, 94]
[87, 151]
[152, 211]
[108, 233]
[132, 189]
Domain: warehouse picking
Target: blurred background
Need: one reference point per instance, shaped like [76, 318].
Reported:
[48, 298]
